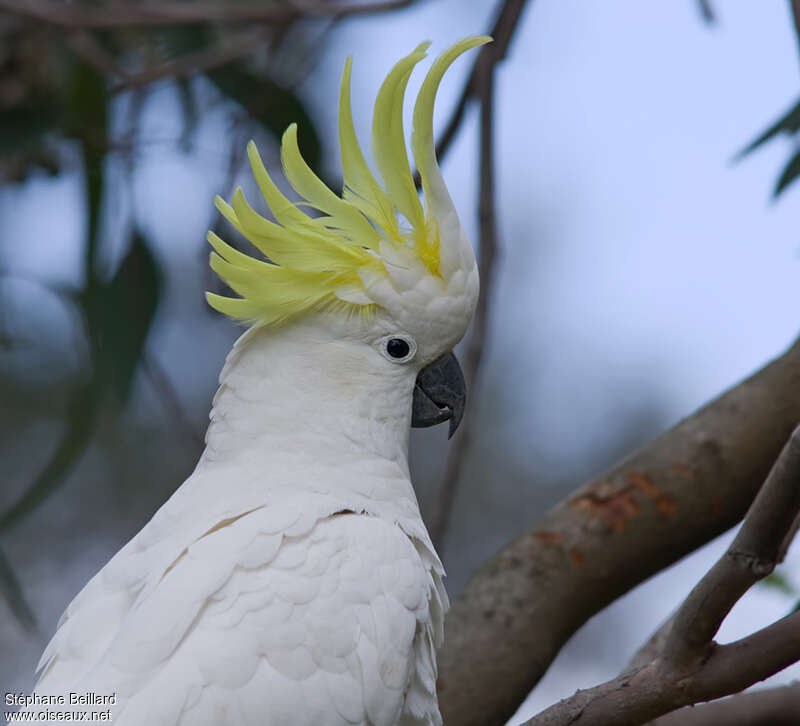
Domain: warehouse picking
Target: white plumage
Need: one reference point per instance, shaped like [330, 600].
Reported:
[290, 580]
[281, 584]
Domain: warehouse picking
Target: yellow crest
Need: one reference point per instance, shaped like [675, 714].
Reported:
[329, 261]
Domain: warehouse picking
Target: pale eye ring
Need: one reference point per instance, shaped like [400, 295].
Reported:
[398, 348]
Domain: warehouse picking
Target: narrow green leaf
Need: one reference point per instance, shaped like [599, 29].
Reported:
[88, 105]
[14, 596]
[127, 307]
[789, 123]
[26, 135]
[177, 40]
[23, 128]
[778, 581]
[80, 424]
[271, 105]
[189, 112]
[790, 172]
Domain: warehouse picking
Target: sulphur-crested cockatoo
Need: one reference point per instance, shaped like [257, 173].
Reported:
[290, 580]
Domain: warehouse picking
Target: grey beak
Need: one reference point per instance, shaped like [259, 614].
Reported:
[439, 394]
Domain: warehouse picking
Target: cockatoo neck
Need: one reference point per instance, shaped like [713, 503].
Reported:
[311, 394]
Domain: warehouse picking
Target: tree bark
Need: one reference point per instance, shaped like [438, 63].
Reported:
[690, 667]
[666, 500]
[770, 707]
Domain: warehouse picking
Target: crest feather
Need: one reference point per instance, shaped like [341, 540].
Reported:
[360, 187]
[330, 261]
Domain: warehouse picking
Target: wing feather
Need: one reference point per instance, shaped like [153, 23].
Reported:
[269, 618]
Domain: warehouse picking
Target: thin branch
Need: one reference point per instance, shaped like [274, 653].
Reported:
[706, 11]
[752, 555]
[768, 707]
[796, 17]
[503, 31]
[481, 84]
[118, 15]
[85, 45]
[644, 514]
[692, 667]
[472, 360]
[232, 49]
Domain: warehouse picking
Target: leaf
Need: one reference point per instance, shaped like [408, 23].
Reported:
[14, 596]
[271, 105]
[88, 106]
[790, 172]
[24, 127]
[26, 141]
[88, 100]
[118, 316]
[778, 581]
[126, 307]
[789, 123]
[178, 40]
[189, 110]
[81, 414]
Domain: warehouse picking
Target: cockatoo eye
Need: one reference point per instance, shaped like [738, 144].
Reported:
[398, 348]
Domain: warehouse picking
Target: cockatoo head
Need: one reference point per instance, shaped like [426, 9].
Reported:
[394, 274]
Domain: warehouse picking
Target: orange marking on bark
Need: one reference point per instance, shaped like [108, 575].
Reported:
[642, 482]
[577, 556]
[548, 537]
[612, 505]
[683, 471]
[666, 505]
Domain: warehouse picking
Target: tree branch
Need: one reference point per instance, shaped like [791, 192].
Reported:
[706, 11]
[232, 49]
[119, 15]
[636, 697]
[86, 46]
[692, 667]
[472, 359]
[481, 84]
[752, 555]
[769, 707]
[796, 17]
[503, 31]
[608, 536]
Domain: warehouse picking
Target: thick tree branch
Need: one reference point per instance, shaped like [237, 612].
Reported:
[692, 667]
[770, 707]
[610, 535]
[636, 697]
[119, 15]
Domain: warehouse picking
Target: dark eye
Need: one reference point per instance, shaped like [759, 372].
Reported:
[397, 348]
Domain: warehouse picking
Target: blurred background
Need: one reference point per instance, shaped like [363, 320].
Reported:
[645, 265]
